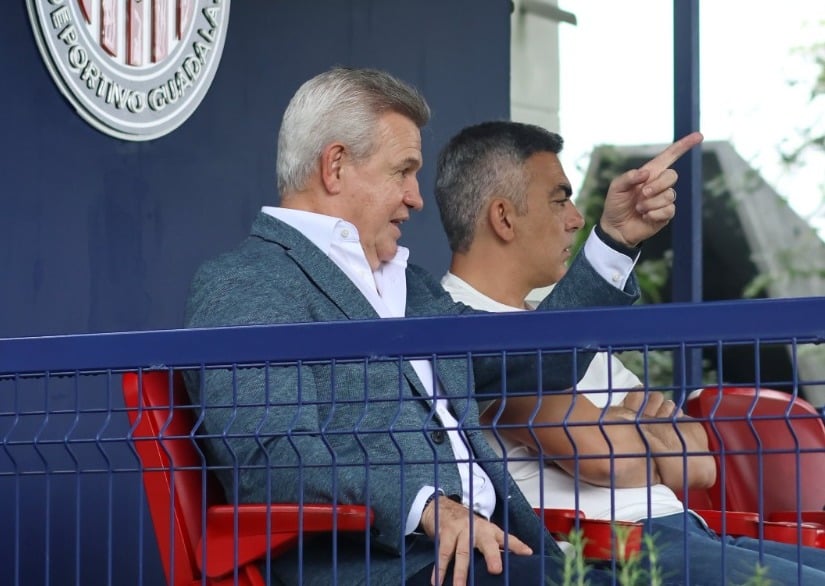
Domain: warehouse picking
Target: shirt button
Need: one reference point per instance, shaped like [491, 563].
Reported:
[616, 277]
[344, 233]
[437, 436]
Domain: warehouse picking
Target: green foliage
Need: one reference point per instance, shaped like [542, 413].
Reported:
[631, 568]
[652, 275]
[656, 574]
[640, 568]
[812, 137]
[809, 136]
[759, 578]
[575, 567]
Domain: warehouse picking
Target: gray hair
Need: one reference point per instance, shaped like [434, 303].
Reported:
[342, 105]
[481, 162]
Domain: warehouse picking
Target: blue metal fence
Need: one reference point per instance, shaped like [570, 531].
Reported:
[72, 501]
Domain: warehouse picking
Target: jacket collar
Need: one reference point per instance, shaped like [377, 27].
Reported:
[318, 268]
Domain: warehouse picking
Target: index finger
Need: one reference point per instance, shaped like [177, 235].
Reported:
[672, 153]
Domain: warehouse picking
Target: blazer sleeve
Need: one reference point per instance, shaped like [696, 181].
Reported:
[582, 286]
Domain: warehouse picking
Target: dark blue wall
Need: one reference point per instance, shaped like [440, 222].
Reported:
[98, 234]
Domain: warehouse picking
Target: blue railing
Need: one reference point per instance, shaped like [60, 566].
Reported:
[777, 320]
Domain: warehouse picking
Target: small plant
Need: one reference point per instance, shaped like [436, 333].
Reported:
[631, 567]
[575, 567]
[639, 568]
[760, 578]
[656, 575]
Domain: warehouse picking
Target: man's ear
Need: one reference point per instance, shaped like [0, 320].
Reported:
[501, 216]
[332, 160]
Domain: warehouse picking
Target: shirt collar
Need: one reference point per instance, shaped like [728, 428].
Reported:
[321, 230]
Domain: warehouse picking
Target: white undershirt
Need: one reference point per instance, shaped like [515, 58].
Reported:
[546, 485]
[386, 290]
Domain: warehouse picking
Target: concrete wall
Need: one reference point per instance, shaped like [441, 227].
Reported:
[534, 67]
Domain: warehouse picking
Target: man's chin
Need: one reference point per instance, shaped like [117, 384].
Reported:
[560, 274]
[387, 253]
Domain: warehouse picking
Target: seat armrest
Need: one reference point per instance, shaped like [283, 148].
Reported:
[598, 534]
[743, 524]
[602, 537]
[807, 534]
[272, 527]
[560, 522]
[804, 516]
[735, 523]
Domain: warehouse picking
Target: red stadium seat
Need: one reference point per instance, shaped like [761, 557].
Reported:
[770, 449]
[195, 528]
[601, 537]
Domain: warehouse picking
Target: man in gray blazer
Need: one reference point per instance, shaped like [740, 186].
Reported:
[400, 437]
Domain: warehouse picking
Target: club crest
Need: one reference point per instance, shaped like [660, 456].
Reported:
[133, 69]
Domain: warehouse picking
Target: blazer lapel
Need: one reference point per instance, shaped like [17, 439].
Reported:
[456, 377]
[318, 268]
[412, 378]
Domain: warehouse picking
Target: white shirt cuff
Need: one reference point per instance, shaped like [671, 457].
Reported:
[417, 508]
[612, 265]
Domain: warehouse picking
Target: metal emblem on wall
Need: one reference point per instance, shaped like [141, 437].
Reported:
[133, 69]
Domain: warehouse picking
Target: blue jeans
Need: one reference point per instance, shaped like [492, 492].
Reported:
[689, 553]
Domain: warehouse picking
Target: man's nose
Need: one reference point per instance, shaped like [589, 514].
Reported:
[412, 196]
[576, 220]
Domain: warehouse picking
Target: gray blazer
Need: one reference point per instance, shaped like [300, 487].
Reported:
[348, 433]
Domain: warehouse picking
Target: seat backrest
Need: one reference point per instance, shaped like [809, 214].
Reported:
[696, 498]
[177, 484]
[766, 441]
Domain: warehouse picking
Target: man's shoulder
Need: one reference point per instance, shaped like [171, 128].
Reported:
[425, 296]
[419, 279]
[270, 246]
[418, 272]
[252, 283]
[251, 257]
